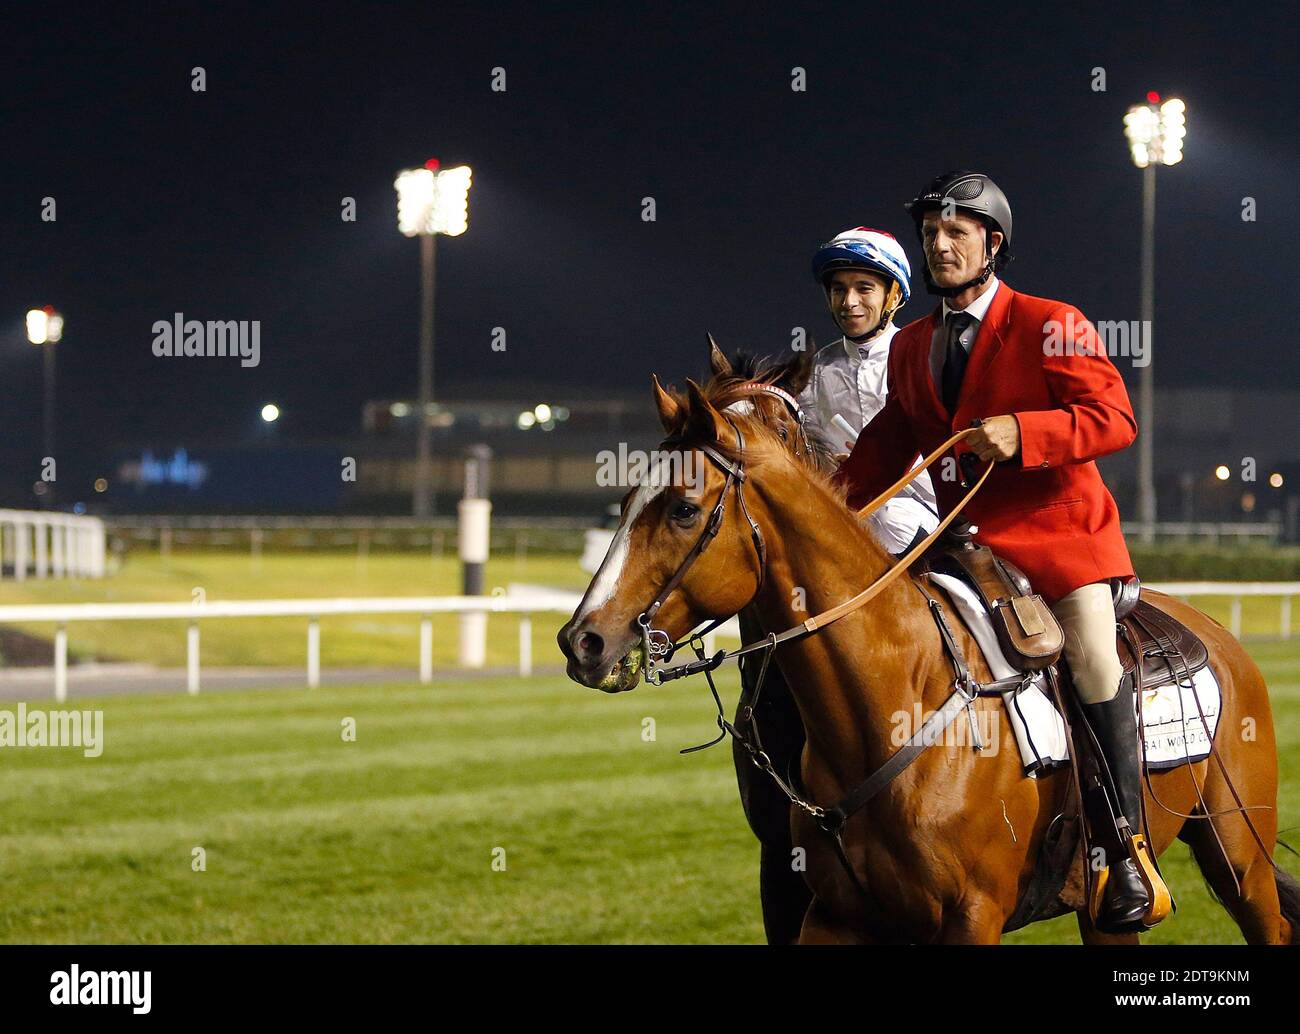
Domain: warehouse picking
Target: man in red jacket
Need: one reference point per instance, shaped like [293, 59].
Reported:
[1049, 402]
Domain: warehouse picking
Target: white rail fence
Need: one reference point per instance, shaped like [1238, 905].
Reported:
[525, 605]
[1236, 591]
[49, 544]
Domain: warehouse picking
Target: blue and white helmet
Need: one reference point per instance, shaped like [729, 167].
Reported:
[864, 248]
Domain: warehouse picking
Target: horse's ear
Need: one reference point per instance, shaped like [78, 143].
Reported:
[799, 369]
[670, 410]
[703, 421]
[717, 361]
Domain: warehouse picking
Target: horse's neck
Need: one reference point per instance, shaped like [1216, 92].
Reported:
[850, 677]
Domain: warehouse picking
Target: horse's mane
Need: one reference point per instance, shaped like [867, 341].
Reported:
[749, 366]
[762, 446]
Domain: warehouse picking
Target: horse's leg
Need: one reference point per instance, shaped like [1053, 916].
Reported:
[783, 893]
[1091, 935]
[1253, 766]
[819, 927]
[979, 921]
[1255, 908]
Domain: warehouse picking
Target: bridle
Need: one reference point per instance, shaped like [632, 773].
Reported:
[658, 646]
[803, 447]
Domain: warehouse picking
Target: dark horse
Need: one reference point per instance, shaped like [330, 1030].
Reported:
[947, 851]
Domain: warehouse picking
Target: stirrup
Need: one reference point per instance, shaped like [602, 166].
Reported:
[1159, 900]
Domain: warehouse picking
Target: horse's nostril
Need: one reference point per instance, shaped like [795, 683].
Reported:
[589, 646]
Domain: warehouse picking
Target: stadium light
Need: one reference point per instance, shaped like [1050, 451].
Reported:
[433, 200]
[270, 412]
[430, 201]
[1155, 132]
[44, 326]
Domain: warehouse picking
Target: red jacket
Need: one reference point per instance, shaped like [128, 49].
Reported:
[1046, 510]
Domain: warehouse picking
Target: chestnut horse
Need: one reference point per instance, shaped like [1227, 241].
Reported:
[945, 852]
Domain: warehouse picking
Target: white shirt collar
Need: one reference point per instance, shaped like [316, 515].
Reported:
[875, 347]
[980, 306]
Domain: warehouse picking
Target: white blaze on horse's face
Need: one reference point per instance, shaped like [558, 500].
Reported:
[602, 586]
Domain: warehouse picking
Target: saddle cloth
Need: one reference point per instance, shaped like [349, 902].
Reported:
[1179, 715]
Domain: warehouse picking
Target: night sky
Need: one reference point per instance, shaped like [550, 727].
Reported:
[226, 204]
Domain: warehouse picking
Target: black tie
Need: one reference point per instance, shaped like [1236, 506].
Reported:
[955, 358]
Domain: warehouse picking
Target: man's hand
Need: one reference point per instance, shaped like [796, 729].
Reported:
[997, 438]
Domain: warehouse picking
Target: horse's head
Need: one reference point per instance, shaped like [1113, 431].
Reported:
[685, 551]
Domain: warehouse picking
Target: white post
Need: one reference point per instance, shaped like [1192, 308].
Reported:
[1286, 617]
[57, 544]
[76, 548]
[313, 653]
[1236, 617]
[69, 549]
[61, 663]
[426, 649]
[473, 639]
[474, 526]
[40, 531]
[20, 550]
[98, 546]
[525, 645]
[192, 659]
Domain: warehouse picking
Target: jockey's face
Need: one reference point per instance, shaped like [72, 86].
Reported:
[954, 247]
[857, 298]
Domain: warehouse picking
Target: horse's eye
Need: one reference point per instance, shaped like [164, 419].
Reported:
[781, 432]
[684, 512]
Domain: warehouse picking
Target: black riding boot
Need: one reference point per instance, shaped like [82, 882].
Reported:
[1115, 724]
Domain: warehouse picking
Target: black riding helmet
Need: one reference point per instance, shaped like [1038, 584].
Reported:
[975, 194]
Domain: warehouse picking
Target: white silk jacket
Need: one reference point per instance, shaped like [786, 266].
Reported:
[855, 386]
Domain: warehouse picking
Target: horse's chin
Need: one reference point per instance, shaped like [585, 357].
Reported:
[625, 674]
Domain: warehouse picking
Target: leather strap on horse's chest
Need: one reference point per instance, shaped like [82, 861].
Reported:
[965, 692]
[833, 819]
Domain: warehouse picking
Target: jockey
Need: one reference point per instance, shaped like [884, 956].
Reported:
[1045, 415]
[865, 274]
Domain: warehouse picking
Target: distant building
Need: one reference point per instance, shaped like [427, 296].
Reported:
[546, 441]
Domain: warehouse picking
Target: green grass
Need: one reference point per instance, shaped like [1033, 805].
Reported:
[308, 838]
[361, 640]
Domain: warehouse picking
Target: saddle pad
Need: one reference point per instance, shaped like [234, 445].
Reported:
[1171, 720]
[1035, 722]
[1172, 723]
